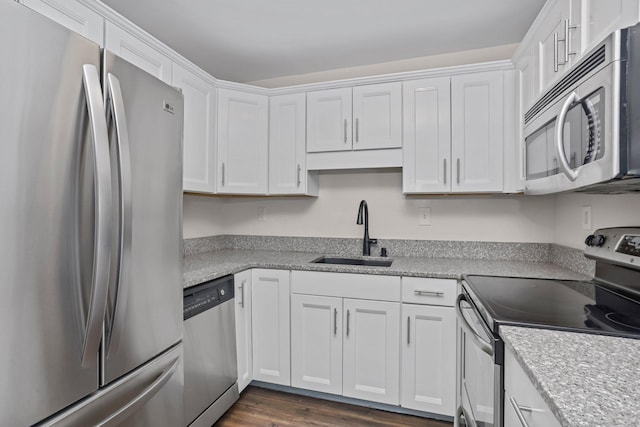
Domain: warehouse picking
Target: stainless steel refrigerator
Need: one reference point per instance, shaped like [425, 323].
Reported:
[90, 233]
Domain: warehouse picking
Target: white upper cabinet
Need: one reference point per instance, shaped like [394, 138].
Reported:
[554, 52]
[454, 131]
[329, 120]
[377, 116]
[427, 135]
[363, 118]
[73, 15]
[243, 130]
[287, 148]
[136, 51]
[477, 122]
[598, 18]
[199, 130]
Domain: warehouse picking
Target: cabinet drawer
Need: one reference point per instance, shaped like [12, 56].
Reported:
[424, 290]
[346, 285]
[521, 396]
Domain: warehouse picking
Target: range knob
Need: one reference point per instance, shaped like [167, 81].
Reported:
[598, 240]
[589, 240]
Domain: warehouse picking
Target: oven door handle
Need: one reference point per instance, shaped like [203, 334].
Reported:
[462, 415]
[484, 345]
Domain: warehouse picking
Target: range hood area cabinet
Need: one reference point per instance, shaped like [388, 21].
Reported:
[455, 133]
[563, 31]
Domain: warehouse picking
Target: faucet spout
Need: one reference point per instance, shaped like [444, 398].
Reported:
[363, 218]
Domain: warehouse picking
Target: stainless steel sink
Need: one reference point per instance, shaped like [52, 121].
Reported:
[353, 261]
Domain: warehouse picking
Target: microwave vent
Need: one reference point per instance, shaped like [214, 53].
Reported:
[580, 71]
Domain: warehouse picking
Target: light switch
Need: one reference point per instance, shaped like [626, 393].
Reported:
[262, 214]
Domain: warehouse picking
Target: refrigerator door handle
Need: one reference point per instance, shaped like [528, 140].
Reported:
[103, 200]
[125, 411]
[115, 108]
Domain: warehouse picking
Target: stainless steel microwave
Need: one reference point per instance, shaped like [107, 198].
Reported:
[583, 134]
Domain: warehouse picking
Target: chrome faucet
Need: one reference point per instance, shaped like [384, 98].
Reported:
[363, 218]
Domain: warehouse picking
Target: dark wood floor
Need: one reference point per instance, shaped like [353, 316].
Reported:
[259, 407]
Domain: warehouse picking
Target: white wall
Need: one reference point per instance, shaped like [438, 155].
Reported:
[606, 211]
[422, 63]
[391, 214]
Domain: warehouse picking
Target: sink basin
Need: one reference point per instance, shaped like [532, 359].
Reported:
[353, 261]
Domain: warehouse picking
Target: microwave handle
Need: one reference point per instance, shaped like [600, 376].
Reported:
[564, 163]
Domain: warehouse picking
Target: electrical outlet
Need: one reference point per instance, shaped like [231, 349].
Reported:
[586, 218]
[424, 216]
[262, 214]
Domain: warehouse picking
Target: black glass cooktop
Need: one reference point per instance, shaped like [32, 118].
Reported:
[556, 304]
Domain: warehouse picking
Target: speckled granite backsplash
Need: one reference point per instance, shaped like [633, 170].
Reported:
[569, 258]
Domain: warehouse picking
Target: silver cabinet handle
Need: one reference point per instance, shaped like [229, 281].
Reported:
[299, 178]
[103, 207]
[564, 164]
[519, 410]
[335, 321]
[555, 52]
[357, 133]
[420, 292]
[408, 330]
[345, 131]
[122, 281]
[567, 40]
[124, 412]
[223, 174]
[485, 346]
[444, 175]
[241, 303]
[458, 170]
[348, 315]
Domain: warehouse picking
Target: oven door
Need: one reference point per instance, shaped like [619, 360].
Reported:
[480, 388]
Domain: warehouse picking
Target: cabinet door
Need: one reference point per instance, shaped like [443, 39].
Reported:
[426, 164]
[72, 15]
[316, 343]
[428, 358]
[528, 79]
[597, 18]
[199, 131]
[243, 328]
[140, 54]
[377, 116]
[371, 355]
[287, 152]
[329, 120]
[243, 140]
[477, 121]
[270, 326]
[551, 44]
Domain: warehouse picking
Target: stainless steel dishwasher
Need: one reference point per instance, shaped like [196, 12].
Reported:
[210, 367]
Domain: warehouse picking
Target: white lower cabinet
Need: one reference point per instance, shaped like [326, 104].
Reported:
[523, 405]
[316, 343]
[428, 358]
[371, 355]
[243, 328]
[270, 326]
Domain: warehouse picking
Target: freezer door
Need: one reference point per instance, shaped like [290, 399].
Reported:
[50, 315]
[150, 396]
[144, 310]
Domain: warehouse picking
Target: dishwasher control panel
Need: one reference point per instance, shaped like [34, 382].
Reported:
[205, 296]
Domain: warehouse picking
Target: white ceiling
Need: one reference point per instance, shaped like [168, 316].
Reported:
[247, 40]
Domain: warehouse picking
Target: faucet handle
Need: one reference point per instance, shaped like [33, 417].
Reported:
[383, 252]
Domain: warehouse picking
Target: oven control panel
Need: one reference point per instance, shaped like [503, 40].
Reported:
[619, 245]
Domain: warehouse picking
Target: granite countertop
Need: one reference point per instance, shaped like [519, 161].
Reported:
[205, 266]
[585, 379]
